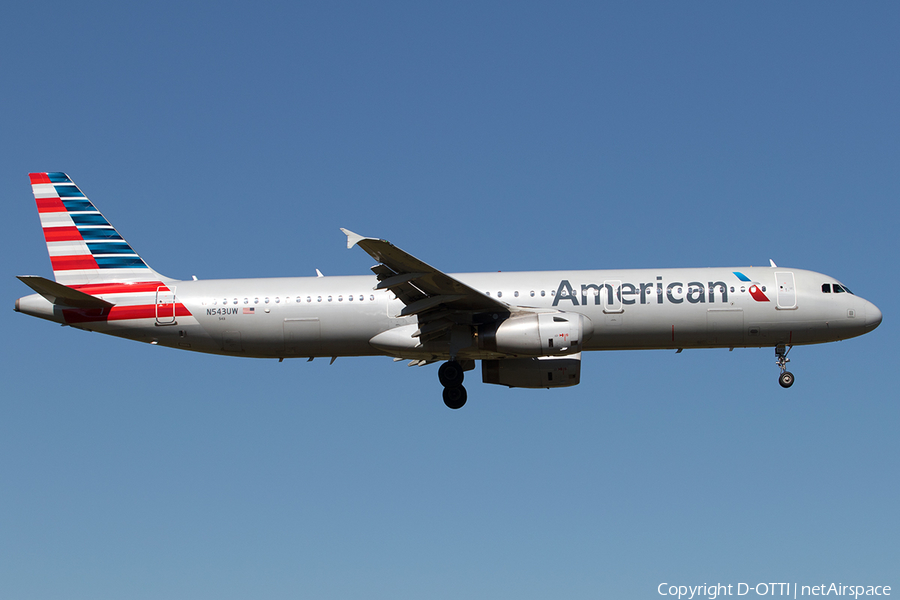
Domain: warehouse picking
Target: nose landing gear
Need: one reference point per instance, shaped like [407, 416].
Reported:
[451, 376]
[786, 379]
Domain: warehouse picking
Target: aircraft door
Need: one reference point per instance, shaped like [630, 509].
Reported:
[786, 296]
[165, 306]
[393, 305]
[611, 296]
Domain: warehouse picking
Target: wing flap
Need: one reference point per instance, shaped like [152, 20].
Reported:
[396, 280]
[424, 304]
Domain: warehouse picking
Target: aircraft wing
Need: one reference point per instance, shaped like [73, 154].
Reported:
[421, 287]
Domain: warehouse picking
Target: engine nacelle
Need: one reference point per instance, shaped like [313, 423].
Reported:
[541, 334]
[541, 372]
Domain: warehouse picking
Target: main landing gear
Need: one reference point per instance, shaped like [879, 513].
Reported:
[786, 379]
[451, 376]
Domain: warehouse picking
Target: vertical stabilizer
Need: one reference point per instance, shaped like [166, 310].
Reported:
[84, 248]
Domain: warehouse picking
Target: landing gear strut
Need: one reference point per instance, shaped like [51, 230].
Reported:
[786, 379]
[451, 376]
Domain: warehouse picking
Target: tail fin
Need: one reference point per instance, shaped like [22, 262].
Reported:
[83, 246]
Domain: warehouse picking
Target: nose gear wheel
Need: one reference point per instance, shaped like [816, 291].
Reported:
[786, 379]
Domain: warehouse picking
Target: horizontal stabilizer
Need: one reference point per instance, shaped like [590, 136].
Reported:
[62, 295]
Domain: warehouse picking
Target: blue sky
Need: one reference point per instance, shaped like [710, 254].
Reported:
[234, 140]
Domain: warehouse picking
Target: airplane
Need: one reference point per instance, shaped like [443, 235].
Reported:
[528, 329]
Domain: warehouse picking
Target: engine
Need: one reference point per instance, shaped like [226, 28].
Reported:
[543, 372]
[541, 334]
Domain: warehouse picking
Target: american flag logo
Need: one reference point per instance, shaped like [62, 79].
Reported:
[249, 311]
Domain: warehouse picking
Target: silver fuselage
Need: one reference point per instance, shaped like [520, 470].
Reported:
[629, 309]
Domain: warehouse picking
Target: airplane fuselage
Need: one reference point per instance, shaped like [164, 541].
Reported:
[339, 316]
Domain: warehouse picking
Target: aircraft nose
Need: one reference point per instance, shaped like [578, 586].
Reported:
[873, 316]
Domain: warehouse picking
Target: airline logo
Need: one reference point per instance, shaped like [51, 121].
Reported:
[79, 238]
[652, 292]
[612, 293]
[755, 292]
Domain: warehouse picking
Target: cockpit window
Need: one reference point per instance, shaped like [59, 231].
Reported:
[836, 287]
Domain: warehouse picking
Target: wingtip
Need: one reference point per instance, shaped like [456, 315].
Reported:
[352, 238]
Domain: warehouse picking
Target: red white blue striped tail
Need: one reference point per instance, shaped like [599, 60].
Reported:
[84, 248]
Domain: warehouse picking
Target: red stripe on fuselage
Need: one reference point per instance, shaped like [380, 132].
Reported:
[98, 289]
[62, 234]
[49, 205]
[121, 313]
[70, 263]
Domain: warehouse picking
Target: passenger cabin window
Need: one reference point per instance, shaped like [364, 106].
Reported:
[826, 288]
